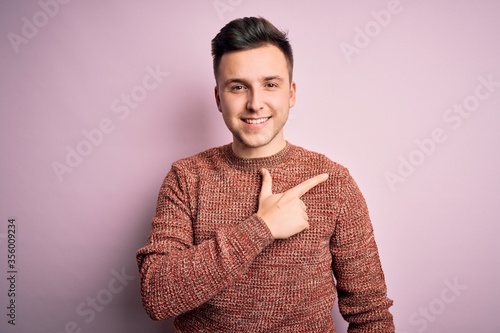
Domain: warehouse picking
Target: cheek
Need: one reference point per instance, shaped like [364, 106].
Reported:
[230, 113]
[233, 103]
[228, 121]
[282, 103]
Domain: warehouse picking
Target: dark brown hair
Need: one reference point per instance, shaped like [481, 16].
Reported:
[248, 33]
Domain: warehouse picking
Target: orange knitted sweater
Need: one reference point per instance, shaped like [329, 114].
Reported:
[212, 263]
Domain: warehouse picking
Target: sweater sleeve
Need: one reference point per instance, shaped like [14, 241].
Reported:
[361, 287]
[178, 276]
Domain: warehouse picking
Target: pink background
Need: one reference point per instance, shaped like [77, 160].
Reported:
[437, 225]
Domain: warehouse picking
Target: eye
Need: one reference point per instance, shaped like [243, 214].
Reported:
[237, 88]
[271, 85]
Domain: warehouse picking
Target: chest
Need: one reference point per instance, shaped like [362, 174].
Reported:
[228, 199]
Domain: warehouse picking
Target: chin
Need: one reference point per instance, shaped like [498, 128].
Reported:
[255, 142]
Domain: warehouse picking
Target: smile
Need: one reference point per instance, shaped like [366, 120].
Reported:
[256, 121]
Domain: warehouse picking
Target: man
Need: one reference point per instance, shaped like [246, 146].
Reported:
[247, 237]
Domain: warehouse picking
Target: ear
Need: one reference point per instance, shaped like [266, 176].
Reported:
[293, 91]
[217, 98]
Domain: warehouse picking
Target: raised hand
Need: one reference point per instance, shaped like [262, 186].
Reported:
[285, 213]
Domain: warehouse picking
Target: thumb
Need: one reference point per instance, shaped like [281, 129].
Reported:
[267, 184]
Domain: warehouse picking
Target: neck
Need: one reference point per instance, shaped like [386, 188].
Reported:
[272, 148]
[256, 164]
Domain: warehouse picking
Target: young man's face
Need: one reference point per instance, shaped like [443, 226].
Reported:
[254, 95]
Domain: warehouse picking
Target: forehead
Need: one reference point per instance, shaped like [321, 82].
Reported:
[263, 61]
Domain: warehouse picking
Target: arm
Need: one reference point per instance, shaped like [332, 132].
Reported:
[362, 291]
[177, 276]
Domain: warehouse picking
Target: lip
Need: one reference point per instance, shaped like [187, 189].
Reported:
[255, 126]
[259, 119]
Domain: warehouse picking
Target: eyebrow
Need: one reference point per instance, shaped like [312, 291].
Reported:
[263, 79]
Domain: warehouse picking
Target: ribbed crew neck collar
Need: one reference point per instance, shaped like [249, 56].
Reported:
[256, 163]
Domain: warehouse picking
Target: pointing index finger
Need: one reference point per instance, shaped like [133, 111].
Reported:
[306, 185]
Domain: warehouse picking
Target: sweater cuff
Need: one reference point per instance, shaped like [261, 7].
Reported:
[254, 232]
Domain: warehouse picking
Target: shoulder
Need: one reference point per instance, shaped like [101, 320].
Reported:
[205, 160]
[187, 172]
[340, 184]
[319, 162]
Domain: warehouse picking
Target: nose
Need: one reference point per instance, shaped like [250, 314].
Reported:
[255, 102]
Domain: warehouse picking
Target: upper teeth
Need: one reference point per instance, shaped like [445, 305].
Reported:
[255, 121]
